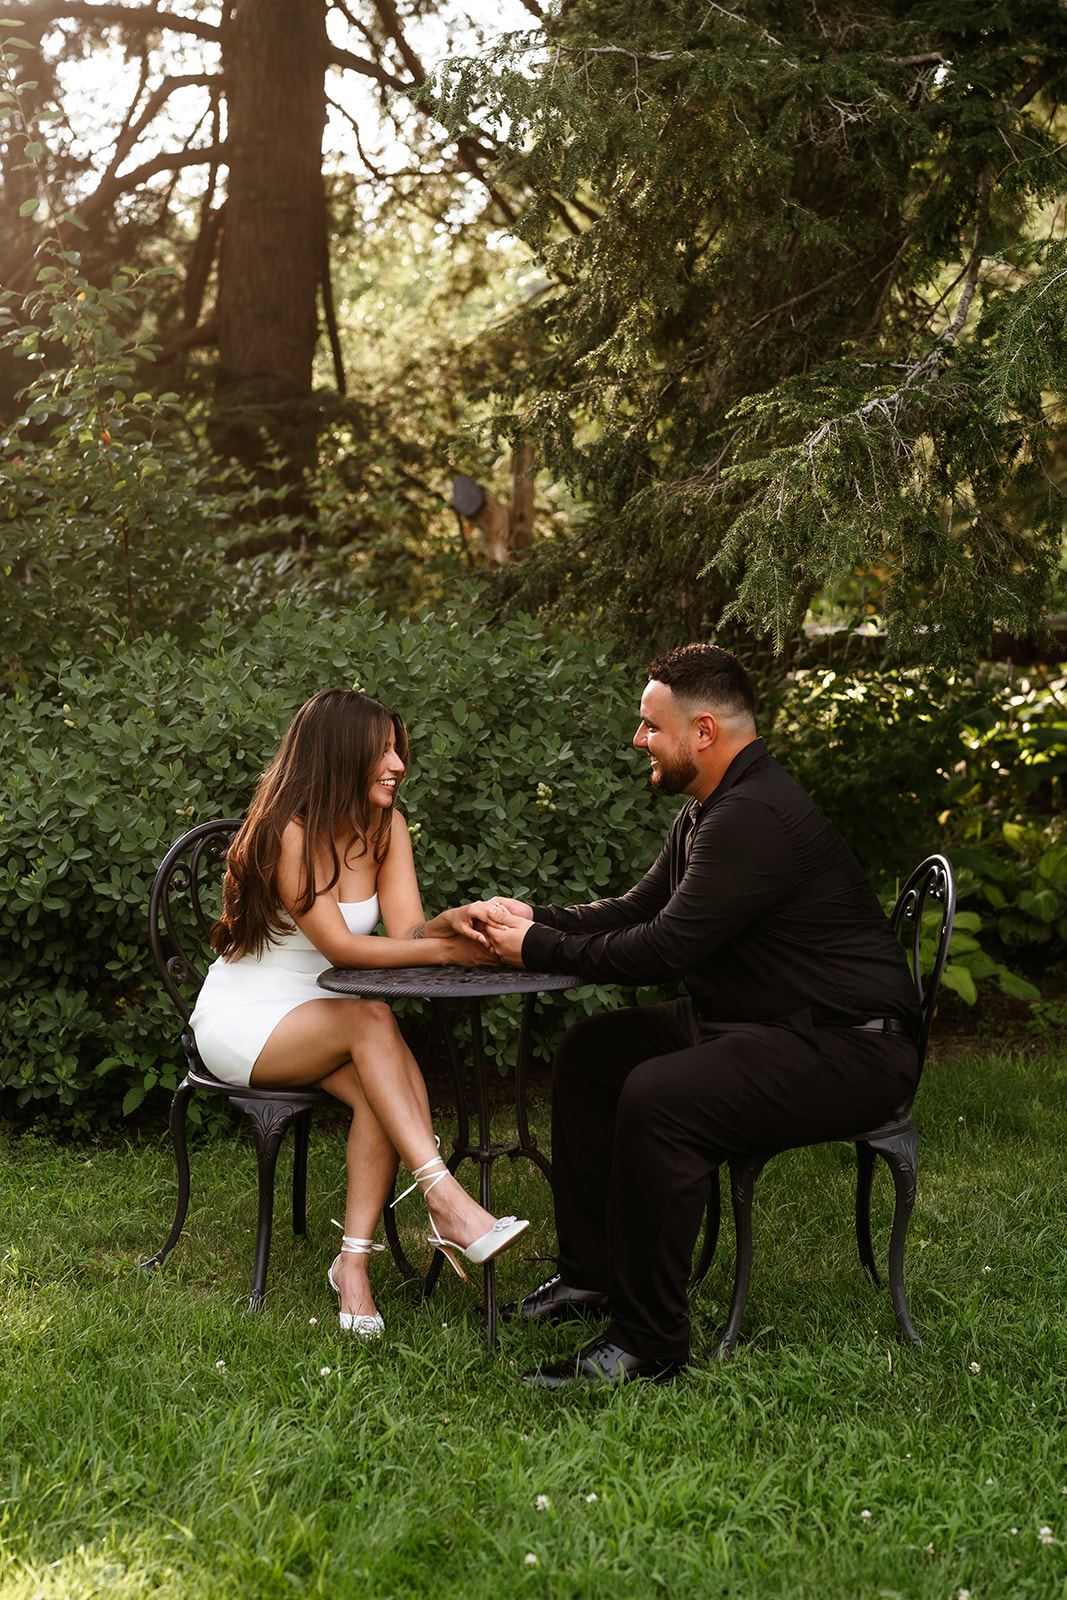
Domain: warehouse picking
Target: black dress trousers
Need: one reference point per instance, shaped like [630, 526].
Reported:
[648, 1102]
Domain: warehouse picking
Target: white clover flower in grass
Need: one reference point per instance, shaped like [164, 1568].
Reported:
[1045, 1535]
[1013, 1530]
[220, 1366]
[975, 1367]
[591, 1497]
[543, 1503]
[529, 1559]
[865, 1516]
[324, 1372]
[964, 1594]
[313, 1322]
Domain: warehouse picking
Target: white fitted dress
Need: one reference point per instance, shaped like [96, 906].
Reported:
[242, 1002]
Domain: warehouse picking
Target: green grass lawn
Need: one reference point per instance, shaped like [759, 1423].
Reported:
[154, 1439]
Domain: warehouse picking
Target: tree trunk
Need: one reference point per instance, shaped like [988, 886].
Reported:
[271, 253]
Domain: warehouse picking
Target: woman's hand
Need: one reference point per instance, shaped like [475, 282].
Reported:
[453, 924]
[455, 950]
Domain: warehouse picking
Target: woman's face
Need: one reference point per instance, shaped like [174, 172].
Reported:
[386, 775]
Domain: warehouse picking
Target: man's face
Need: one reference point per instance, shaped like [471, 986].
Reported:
[665, 732]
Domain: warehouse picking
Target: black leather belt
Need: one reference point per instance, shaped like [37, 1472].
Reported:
[883, 1025]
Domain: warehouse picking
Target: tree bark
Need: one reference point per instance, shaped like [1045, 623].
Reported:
[275, 55]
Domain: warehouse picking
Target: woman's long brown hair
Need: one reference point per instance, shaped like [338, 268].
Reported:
[321, 775]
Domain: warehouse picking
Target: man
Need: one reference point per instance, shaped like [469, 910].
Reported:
[798, 1026]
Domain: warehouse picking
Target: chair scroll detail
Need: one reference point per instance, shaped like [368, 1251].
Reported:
[179, 927]
[930, 895]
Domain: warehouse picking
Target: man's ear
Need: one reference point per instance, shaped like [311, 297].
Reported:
[707, 730]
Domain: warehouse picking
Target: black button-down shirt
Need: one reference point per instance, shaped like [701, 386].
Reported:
[755, 902]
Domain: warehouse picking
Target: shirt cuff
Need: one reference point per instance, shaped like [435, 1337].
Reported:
[540, 947]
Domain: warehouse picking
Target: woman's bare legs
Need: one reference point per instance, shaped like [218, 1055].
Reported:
[355, 1051]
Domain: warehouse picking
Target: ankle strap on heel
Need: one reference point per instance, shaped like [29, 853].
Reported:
[418, 1173]
[350, 1246]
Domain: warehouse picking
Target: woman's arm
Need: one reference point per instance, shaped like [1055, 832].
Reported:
[398, 888]
[401, 903]
[398, 897]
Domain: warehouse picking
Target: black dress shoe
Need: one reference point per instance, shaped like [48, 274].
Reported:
[602, 1363]
[556, 1301]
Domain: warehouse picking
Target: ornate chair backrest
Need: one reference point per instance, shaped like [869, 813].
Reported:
[185, 902]
[931, 888]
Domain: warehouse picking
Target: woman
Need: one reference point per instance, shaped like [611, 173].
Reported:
[323, 854]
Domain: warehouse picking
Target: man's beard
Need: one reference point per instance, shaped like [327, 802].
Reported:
[674, 777]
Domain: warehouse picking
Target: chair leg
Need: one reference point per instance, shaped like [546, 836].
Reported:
[712, 1219]
[743, 1175]
[301, 1140]
[901, 1154]
[269, 1122]
[865, 1160]
[178, 1108]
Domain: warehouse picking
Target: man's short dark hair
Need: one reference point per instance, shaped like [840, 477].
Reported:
[707, 674]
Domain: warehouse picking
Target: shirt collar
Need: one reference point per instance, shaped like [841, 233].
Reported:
[737, 769]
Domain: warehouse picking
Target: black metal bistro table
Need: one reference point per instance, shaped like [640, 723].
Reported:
[473, 984]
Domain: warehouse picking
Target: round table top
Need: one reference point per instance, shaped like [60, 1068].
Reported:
[435, 983]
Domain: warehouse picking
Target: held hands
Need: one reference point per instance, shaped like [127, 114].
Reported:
[452, 939]
[506, 923]
[497, 926]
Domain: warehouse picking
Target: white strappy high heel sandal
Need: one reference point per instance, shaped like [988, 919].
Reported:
[503, 1233]
[367, 1327]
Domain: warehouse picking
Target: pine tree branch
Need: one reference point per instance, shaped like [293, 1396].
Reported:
[329, 311]
[472, 157]
[166, 161]
[132, 130]
[806, 294]
[139, 18]
[970, 283]
[336, 57]
[390, 20]
[745, 22]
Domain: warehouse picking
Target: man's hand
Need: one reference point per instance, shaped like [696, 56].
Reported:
[506, 924]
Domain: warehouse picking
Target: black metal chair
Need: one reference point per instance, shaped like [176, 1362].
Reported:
[185, 887]
[896, 1141]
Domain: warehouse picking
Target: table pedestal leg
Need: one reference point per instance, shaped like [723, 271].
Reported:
[485, 1152]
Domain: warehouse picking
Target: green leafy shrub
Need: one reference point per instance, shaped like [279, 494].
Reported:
[878, 751]
[907, 762]
[523, 779]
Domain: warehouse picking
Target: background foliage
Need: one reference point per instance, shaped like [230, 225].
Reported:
[808, 308]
